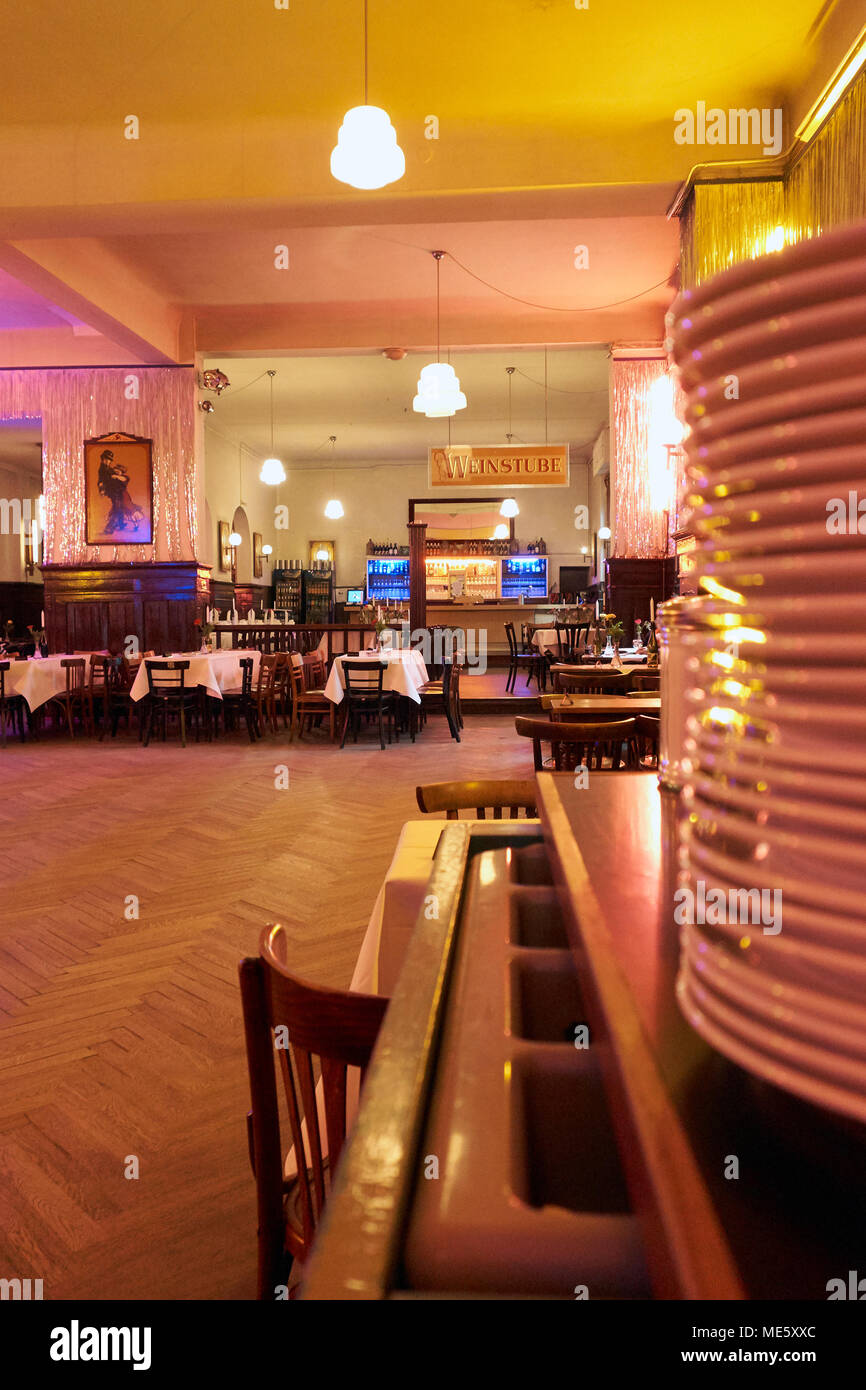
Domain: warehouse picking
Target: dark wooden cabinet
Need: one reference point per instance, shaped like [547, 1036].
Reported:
[632, 583]
[96, 607]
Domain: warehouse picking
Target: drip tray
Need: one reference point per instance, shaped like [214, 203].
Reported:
[570, 1157]
[536, 920]
[526, 1195]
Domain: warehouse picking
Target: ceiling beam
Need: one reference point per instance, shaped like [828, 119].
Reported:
[87, 280]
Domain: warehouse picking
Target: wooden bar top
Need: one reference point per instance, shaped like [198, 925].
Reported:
[795, 1217]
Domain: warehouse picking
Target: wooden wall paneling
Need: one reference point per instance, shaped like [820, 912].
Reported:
[21, 602]
[632, 583]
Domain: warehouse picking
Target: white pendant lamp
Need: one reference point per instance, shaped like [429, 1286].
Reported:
[439, 391]
[273, 473]
[501, 532]
[366, 154]
[333, 508]
[509, 508]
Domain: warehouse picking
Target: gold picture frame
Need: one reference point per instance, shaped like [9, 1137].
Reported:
[322, 545]
[225, 550]
[118, 490]
[258, 558]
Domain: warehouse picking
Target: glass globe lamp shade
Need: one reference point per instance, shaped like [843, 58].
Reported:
[234, 539]
[272, 472]
[439, 392]
[509, 508]
[366, 154]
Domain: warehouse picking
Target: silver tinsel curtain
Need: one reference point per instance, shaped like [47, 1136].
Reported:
[729, 222]
[75, 404]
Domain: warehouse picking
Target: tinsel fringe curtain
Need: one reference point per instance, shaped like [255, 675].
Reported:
[730, 222]
[75, 404]
[639, 530]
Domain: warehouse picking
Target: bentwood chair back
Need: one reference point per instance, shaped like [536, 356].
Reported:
[591, 682]
[512, 795]
[648, 734]
[587, 745]
[307, 704]
[301, 1025]
[74, 697]
[364, 693]
[265, 694]
[646, 680]
[571, 639]
[535, 661]
[167, 690]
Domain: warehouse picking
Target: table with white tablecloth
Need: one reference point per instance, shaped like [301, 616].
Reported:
[405, 673]
[218, 672]
[40, 679]
[338, 642]
[547, 641]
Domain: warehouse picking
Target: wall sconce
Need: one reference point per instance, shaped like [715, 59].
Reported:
[213, 380]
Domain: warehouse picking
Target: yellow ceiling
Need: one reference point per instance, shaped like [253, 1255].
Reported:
[245, 100]
[555, 128]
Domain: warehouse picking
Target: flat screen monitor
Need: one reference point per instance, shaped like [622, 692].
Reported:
[354, 597]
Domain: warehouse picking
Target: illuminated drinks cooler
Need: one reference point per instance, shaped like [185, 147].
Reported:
[388, 578]
[466, 576]
[524, 574]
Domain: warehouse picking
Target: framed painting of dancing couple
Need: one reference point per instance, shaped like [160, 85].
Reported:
[118, 482]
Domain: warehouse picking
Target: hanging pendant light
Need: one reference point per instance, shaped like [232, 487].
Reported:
[509, 508]
[273, 472]
[439, 391]
[366, 154]
[333, 508]
[501, 532]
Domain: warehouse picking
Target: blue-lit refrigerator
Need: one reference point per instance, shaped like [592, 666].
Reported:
[524, 574]
[388, 579]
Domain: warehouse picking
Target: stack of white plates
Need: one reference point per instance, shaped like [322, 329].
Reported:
[771, 358]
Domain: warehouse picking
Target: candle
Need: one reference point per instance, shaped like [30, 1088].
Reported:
[652, 610]
[42, 619]
[596, 610]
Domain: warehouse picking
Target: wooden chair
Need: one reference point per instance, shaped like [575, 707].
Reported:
[74, 697]
[646, 680]
[590, 682]
[568, 639]
[536, 663]
[239, 702]
[5, 704]
[315, 675]
[168, 692]
[264, 697]
[648, 735]
[582, 745]
[364, 693]
[337, 1029]
[120, 672]
[514, 794]
[444, 695]
[307, 704]
[97, 688]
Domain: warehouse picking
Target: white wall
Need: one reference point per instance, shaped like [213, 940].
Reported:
[222, 490]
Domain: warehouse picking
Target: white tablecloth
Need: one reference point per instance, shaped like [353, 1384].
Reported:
[338, 642]
[405, 673]
[39, 679]
[217, 671]
[545, 639]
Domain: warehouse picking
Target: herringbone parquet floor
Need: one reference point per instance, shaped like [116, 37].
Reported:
[122, 1035]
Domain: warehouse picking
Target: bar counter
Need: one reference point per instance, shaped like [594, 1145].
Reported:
[793, 1218]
